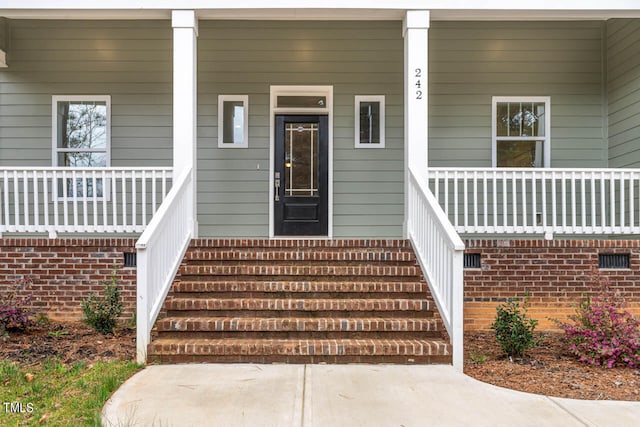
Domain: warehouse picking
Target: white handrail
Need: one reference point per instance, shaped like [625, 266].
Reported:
[87, 200]
[539, 201]
[160, 251]
[440, 252]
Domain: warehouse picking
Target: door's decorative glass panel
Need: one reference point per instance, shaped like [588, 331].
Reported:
[301, 159]
[301, 101]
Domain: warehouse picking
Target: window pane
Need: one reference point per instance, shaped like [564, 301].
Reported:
[519, 154]
[233, 122]
[81, 187]
[82, 160]
[370, 123]
[520, 118]
[82, 125]
[302, 101]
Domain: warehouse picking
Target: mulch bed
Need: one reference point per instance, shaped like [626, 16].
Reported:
[69, 342]
[548, 369]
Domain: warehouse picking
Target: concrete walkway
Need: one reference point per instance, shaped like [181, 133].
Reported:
[341, 395]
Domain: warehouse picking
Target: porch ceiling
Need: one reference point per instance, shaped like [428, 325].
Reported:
[441, 10]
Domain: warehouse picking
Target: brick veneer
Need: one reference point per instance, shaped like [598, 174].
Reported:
[555, 274]
[65, 271]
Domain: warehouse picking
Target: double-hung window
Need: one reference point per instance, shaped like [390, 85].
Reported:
[81, 139]
[521, 131]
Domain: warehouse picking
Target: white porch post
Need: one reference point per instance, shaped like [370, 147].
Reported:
[185, 89]
[416, 37]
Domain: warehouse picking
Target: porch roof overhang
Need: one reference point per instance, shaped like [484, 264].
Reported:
[324, 9]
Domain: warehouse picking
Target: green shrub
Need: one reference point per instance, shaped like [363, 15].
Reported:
[514, 330]
[102, 313]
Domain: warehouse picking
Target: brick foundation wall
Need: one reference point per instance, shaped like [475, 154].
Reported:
[555, 274]
[65, 271]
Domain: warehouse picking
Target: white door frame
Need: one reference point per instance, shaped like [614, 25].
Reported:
[327, 110]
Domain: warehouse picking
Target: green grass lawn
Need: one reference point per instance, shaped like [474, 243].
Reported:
[56, 394]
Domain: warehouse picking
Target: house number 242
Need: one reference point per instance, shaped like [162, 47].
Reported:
[418, 85]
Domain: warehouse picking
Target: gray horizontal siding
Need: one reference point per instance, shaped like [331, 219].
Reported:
[129, 60]
[357, 58]
[623, 92]
[469, 62]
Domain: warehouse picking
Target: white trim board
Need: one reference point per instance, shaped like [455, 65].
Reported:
[274, 92]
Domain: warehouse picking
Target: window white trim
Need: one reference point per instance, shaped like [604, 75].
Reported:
[546, 154]
[276, 91]
[245, 131]
[368, 98]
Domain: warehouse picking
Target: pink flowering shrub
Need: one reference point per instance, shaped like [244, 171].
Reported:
[602, 332]
[14, 313]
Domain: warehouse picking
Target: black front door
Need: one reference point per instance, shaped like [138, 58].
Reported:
[301, 176]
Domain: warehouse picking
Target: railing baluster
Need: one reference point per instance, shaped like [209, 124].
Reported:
[593, 202]
[85, 210]
[124, 200]
[456, 200]
[16, 200]
[75, 198]
[612, 195]
[632, 202]
[564, 202]
[36, 202]
[144, 198]
[583, 201]
[622, 200]
[603, 213]
[495, 200]
[543, 193]
[25, 198]
[94, 198]
[45, 202]
[114, 202]
[475, 200]
[554, 211]
[485, 201]
[534, 201]
[65, 200]
[514, 192]
[134, 200]
[105, 197]
[466, 200]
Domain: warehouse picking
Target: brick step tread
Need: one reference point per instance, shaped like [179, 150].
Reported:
[306, 360]
[302, 347]
[301, 270]
[299, 286]
[278, 324]
[303, 254]
[298, 243]
[298, 304]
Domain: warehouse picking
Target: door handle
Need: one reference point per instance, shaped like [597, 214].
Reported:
[276, 183]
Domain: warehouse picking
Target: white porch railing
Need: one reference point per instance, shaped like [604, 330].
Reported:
[550, 200]
[160, 251]
[87, 200]
[440, 251]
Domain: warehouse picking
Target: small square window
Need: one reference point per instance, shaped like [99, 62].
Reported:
[233, 121]
[369, 121]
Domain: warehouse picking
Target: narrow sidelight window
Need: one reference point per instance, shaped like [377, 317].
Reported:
[233, 121]
[369, 121]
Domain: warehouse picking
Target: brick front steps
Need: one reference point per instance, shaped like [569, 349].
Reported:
[300, 301]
